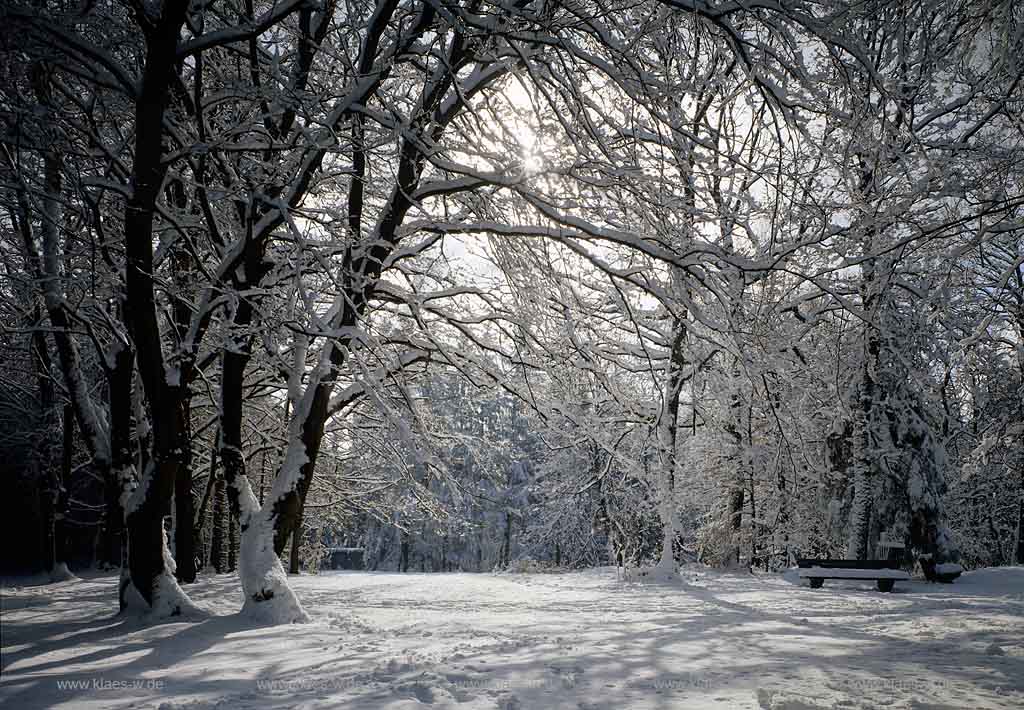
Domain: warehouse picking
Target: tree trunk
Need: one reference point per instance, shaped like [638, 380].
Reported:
[232, 541]
[286, 511]
[149, 504]
[865, 420]
[860, 517]
[668, 432]
[60, 528]
[1019, 554]
[403, 553]
[184, 505]
[120, 476]
[293, 565]
[149, 560]
[146, 538]
[48, 513]
[232, 374]
[736, 500]
[49, 481]
[221, 515]
[506, 551]
[264, 583]
[203, 515]
[293, 562]
[736, 491]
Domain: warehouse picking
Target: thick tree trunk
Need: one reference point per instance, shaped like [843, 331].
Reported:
[183, 274]
[232, 374]
[860, 517]
[267, 596]
[148, 560]
[865, 420]
[294, 562]
[286, 510]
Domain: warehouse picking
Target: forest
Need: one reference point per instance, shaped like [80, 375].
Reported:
[473, 285]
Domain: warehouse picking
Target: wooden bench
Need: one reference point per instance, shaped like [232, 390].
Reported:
[884, 572]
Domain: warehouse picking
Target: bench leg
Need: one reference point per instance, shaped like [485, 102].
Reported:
[816, 582]
[885, 585]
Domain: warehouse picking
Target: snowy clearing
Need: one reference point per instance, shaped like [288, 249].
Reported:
[578, 640]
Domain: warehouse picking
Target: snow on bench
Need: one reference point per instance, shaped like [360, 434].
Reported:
[884, 572]
[830, 573]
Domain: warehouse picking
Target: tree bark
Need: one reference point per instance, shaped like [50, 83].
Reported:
[668, 432]
[221, 515]
[1019, 555]
[184, 506]
[49, 480]
[403, 555]
[232, 540]
[736, 499]
[201, 516]
[121, 476]
[60, 528]
[149, 504]
[865, 418]
[506, 551]
[293, 562]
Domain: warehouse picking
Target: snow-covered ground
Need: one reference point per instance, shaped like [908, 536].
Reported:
[582, 640]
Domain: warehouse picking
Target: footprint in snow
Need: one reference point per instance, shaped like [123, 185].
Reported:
[421, 692]
[509, 702]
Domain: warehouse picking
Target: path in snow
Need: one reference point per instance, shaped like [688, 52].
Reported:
[523, 642]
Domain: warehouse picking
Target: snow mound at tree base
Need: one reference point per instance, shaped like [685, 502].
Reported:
[169, 601]
[274, 603]
[61, 573]
[268, 598]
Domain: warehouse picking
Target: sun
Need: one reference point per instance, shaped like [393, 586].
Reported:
[520, 125]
